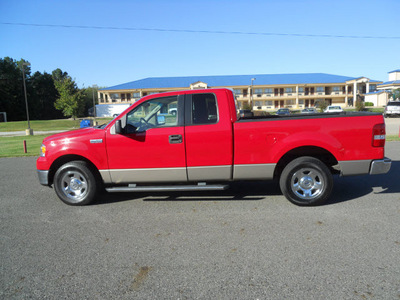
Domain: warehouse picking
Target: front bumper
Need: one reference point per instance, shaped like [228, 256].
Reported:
[43, 177]
[380, 166]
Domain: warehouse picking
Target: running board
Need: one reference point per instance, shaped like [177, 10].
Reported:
[170, 188]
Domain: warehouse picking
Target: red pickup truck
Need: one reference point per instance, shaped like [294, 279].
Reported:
[193, 140]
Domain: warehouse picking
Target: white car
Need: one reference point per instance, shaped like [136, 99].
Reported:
[392, 109]
[333, 109]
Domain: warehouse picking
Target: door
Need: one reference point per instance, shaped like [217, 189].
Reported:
[282, 103]
[208, 136]
[276, 104]
[151, 147]
[307, 103]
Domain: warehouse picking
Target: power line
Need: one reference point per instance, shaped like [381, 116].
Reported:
[205, 31]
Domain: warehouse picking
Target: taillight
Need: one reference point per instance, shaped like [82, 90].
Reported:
[378, 135]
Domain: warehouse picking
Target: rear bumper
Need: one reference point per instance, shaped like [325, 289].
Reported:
[43, 177]
[380, 166]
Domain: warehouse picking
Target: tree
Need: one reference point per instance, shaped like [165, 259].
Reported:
[360, 106]
[44, 94]
[12, 99]
[89, 92]
[70, 100]
[395, 94]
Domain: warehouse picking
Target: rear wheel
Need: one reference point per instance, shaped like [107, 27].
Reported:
[75, 183]
[306, 181]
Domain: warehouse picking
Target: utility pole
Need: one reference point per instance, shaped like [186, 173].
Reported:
[29, 131]
[94, 106]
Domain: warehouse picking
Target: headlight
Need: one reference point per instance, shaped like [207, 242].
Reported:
[43, 151]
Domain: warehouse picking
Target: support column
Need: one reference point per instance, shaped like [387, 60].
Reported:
[346, 99]
[249, 92]
[367, 91]
[355, 93]
[297, 96]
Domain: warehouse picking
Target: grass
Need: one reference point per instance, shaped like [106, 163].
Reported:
[392, 138]
[46, 125]
[13, 146]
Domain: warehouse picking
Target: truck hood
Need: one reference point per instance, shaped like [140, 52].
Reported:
[78, 133]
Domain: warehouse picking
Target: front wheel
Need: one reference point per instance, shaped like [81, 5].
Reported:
[75, 183]
[306, 181]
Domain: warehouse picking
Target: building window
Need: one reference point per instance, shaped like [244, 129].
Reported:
[320, 89]
[122, 97]
[372, 88]
[269, 103]
[301, 90]
[114, 97]
[290, 102]
[237, 92]
[258, 91]
[336, 89]
[269, 91]
[301, 102]
[288, 90]
[136, 95]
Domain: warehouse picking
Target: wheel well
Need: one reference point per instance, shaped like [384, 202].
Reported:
[67, 158]
[323, 155]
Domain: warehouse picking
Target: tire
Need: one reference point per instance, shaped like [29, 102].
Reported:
[75, 183]
[306, 181]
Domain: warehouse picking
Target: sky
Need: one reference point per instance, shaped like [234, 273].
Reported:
[155, 38]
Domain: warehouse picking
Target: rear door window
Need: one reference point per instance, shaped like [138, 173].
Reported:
[204, 109]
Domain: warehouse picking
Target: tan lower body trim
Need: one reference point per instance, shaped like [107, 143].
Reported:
[145, 175]
[254, 171]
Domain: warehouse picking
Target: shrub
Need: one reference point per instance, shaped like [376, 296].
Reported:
[369, 104]
[360, 105]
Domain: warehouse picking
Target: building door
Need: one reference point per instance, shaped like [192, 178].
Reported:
[281, 92]
[282, 103]
[276, 91]
[307, 103]
[276, 104]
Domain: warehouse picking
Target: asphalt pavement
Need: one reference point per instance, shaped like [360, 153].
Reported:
[245, 243]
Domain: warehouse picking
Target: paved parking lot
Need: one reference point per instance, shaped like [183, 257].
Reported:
[392, 126]
[245, 243]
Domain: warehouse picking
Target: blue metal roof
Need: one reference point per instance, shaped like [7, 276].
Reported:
[390, 82]
[394, 71]
[231, 80]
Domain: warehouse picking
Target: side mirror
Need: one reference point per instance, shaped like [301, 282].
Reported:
[118, 127]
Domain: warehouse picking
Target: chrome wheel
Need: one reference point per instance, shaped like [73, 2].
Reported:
[307, 183]
[74, 185]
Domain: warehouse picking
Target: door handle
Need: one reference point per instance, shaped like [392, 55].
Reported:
[175, 139]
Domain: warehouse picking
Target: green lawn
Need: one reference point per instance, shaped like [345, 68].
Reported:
[14, 146]
[45, 125]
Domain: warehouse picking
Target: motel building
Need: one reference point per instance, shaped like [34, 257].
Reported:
[267, 92]
[381, 96]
